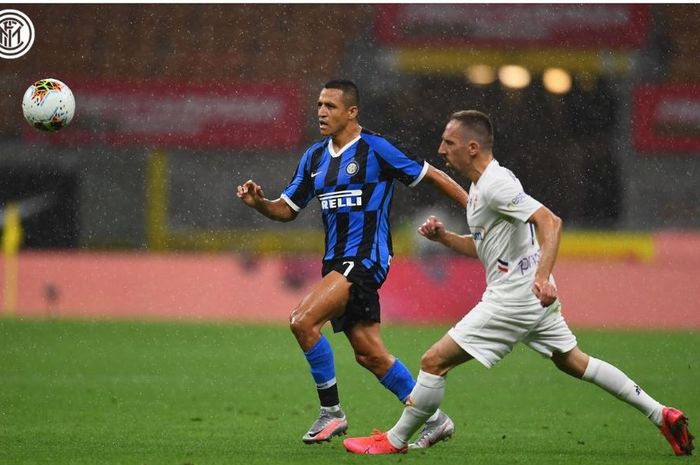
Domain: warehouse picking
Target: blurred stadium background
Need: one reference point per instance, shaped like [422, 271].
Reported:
[131, 211]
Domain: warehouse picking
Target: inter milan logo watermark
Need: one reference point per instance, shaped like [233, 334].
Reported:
[16, 34]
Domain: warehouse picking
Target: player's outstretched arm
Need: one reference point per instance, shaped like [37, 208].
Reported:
[434, 230]
[252, 195]
[549, 233]
[447, 185]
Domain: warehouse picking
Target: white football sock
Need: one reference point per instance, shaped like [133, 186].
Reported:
[332, 408]
[618, 384]
[422, 403]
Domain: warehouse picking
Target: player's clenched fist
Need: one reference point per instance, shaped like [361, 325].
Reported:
[250, 193]
[432, 228]
[546, 292]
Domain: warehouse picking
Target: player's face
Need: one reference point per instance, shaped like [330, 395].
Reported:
[333, 114]
[455, 148]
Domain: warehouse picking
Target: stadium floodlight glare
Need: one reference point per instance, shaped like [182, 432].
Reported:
[514, 76]
[480, 75]
[556, 81]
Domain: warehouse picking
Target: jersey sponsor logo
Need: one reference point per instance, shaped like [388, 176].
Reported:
[516, 200]
[529, 263]
[352, 168]
[348, 198]
[478, 233]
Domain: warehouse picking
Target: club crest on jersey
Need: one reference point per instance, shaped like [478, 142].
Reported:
[352, 168]
[348, 198]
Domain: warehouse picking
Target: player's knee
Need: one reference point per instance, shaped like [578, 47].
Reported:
[299, 324]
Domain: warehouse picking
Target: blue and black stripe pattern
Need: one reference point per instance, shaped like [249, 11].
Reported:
[355, 189]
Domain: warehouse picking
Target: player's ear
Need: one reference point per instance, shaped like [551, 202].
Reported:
[473, 147]
[353, 112]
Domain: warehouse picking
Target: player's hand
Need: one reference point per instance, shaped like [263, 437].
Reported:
[250, 193]
[432, 229]
[545, 291]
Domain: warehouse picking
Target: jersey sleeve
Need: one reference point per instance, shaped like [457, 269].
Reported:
[399, 165]
[506, 196]
[300, 190]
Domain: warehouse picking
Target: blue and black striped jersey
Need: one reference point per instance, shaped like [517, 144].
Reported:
[355, 188]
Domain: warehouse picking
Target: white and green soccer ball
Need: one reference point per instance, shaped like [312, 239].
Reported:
[48, 105]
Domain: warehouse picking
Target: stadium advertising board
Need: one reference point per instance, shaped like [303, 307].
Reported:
[519, 26]
[184, 115]
[667, 119]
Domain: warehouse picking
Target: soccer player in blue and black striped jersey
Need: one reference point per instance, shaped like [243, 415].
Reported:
[351, 171]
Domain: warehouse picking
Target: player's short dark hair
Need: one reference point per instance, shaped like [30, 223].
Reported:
[351, 94]
[477, 122]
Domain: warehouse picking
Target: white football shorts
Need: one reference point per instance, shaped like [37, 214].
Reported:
[491, 330]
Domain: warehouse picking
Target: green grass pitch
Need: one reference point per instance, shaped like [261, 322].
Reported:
[77, 392]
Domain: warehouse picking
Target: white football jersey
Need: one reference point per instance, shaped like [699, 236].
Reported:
[497, 215]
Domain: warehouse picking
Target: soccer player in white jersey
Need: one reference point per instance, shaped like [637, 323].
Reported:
[520, 303]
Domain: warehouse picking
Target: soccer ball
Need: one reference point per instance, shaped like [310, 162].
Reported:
[48, 105]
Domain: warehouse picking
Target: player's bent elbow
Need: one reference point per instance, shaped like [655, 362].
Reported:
[545, 220]
[557, 222]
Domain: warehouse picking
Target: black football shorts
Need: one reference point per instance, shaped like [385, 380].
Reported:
[363, 303]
